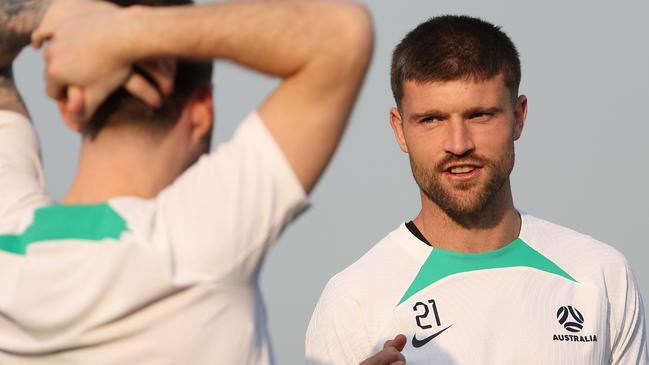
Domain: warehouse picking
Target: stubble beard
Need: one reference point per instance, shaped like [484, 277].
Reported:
[466, 203]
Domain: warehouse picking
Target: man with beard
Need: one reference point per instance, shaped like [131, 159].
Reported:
[471, 280]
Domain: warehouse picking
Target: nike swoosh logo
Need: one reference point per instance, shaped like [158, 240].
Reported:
[416, 343]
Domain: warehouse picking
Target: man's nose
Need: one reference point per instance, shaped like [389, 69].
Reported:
[459, 140]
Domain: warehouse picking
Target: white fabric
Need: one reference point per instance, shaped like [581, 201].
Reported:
[496, 316]
[179, 286]
[22, 183]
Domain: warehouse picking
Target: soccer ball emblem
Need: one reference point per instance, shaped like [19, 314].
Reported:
[570, 318]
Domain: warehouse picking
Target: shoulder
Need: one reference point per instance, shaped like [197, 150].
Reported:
[357, 302]
[580, 253]
[21, 172]
[545, 235]
[383, 272]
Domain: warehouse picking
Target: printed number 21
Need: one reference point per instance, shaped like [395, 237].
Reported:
[426, 310]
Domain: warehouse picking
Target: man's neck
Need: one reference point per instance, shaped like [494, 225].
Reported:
[108, 170]
[498, 225]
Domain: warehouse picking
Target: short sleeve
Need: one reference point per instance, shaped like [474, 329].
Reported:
[222, 214]
[630, 342]
[337, 333]
[21, 171]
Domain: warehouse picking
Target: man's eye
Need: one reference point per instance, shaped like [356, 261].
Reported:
[430, 120]
[481, 116]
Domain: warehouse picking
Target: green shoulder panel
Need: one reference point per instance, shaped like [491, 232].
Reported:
[92, 223]
[441, 264]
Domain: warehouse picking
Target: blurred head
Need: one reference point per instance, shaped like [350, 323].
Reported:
[455, 81]
[192, 88]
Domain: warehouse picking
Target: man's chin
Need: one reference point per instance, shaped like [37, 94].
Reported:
[465, 201]
[463, 209]
[473, 186]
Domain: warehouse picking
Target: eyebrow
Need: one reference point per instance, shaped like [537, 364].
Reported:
[428, 113]
[479, 110]
[467, 113]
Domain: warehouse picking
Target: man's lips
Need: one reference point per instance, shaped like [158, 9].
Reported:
[463, 171]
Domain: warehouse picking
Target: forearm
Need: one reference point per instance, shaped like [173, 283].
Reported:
[320, 49]
[276, 38]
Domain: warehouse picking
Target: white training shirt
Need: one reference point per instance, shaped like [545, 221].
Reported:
[170, 280]
[552, 296]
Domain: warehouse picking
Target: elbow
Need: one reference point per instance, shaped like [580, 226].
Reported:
[342, 41]
[357, 27]
[359, 32]
[353, 35]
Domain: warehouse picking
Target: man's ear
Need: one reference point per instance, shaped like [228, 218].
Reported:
[201, 112]
[397, 127]
[69, 120]
[520, 113]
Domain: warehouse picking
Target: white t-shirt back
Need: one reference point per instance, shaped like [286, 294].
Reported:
[170, 280]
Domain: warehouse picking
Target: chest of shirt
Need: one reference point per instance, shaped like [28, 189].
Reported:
[503, 316]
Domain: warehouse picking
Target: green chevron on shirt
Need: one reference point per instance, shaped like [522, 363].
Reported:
[92, 223]
[442, 263]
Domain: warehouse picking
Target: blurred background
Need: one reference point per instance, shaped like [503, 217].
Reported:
[581, 163]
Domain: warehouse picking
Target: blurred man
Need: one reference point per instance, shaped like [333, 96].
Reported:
[153, 255]
[471, 280]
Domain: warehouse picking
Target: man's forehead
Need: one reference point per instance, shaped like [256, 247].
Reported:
[419, 96]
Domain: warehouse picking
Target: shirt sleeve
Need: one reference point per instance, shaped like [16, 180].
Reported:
[222, 214]
[21, 170]
[337, 333]
[630, 342]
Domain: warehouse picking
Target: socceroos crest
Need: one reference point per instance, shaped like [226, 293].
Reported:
[571, 319]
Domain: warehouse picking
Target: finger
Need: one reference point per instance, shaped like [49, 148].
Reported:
[171, 67]
[162, 72]
[387, 344]
[75, 101]
[98, 91]
[139, 87]
[54, 89]
[43, 33]
[389, 356]
[69, 120]
[399, 342]
[394, 354]
[39, 38]
[385, 357]
[55, 14]
[93, 98]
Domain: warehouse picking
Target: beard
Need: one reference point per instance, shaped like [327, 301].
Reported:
[464, 202]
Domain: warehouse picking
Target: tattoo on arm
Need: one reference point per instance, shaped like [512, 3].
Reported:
[18, 19]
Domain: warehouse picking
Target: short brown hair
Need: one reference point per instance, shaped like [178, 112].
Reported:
[122, 107]
[453, 47]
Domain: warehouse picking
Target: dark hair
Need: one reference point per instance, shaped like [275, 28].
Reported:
[122, 107]
[452, 47]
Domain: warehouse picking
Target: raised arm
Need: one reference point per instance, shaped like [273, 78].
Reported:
[320, 49]
[18, 19]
